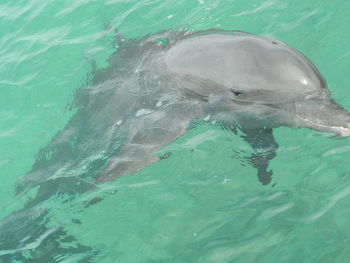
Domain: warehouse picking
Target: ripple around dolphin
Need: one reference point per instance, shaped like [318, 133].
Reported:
[210, 208]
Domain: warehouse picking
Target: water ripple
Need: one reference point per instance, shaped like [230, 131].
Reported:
[331, 202]
[177, 210]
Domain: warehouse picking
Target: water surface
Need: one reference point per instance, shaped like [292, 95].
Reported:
[200, 205]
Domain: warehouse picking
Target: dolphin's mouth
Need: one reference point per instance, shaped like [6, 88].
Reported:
[324, 127]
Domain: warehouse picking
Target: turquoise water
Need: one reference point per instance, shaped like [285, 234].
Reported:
[200, 205]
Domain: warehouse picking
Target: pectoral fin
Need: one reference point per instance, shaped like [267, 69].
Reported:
[264, 146]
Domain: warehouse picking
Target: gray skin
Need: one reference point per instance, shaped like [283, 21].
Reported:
[156, 86]
[235, 78]
[152, 90]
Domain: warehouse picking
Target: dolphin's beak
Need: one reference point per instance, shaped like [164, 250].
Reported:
[323, 114]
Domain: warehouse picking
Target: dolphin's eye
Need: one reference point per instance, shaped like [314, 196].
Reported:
[236, 92]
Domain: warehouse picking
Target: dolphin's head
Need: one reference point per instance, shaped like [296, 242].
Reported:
[291, 91]
[298, 96]
[266, 82]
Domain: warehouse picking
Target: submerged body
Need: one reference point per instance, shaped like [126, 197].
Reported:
[149, 95]
[152, 90]
[155, 87]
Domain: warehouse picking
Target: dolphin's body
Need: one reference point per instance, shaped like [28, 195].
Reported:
[155, 87]
[148, 96]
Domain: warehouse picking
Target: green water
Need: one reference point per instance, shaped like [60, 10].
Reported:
[200, 205]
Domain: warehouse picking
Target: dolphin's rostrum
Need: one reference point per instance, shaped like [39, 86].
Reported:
[156, 86]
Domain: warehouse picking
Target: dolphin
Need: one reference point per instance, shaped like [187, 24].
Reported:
[153, 89]
[148, 96]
